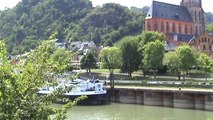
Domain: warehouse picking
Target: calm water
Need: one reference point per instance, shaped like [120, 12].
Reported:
[115, 111]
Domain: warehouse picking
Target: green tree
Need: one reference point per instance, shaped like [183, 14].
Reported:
[61, 58]
[53, 36]
[88, 61]
[210, 27]
[153, 55]
[150, 36]
[172, 61]
[110, 59]
[186, 57]
[19, 85]
[143, 39]
[206, 63]
[130, 56]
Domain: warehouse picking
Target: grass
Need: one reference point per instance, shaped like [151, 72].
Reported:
[193, 80]
[103, 74]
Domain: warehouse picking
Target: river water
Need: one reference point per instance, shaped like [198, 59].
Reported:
[116, 111]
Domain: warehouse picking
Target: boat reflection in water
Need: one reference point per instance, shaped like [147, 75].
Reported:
[93, 89]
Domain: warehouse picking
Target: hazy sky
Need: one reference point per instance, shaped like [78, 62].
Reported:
[207, 4]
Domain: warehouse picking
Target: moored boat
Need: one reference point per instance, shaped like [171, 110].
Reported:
[93, 89]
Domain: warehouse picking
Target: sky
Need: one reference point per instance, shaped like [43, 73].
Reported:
[207, 4]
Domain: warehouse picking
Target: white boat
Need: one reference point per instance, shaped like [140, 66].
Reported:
[93, 89]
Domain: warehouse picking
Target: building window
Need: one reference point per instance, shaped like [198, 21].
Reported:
[156, 27]
[196, 30]
[190, 29]
[173, 27]
[199, 16]
[186, 29]
[195, 15]
[179, 28]
[204, 47]
[198, 47]
[167, 26]
[162, 26]
[148, 26]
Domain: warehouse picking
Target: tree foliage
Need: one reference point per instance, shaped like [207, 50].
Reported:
[172, 61]
[38, 19]
[110, 58]
[210, 27]
[88, 61]
[186, 57]
[108, 23]
[145, 38]
[150, 36]
[73, 20]
[19, 85]
[130, 56]
[205, 62]
[153, 55]
[61, 57]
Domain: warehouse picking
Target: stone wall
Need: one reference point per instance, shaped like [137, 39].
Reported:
[167, 98]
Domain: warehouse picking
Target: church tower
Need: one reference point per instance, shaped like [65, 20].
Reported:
[195, 9]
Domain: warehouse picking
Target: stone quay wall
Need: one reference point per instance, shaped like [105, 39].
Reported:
[184, 98]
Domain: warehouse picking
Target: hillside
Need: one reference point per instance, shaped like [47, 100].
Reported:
[31, 21]
[208, 18]
[107, 24]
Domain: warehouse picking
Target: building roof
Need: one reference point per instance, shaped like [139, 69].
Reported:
[181, 37]
[205, 34]
[169, 11]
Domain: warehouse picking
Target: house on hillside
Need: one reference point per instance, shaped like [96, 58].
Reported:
[180, 23]
[82, 46]
[75, 46]
[61, 43]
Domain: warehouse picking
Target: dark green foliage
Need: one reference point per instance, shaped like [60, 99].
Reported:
[36, 20]
[143, 10]
[108, 23]
[210, 27]
[88, 62]
[186, 57]
[153, 55]
[150, 36]
[163, 70]
[145, 38]
[130, 56]
[208, 18]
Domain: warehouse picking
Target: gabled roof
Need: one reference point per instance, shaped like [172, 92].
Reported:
[205, 34]
[168, 11]
[181, 37]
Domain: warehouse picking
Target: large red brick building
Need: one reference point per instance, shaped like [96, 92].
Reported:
[180, 23]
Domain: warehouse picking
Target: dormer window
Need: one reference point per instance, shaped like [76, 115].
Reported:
[176, 16]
